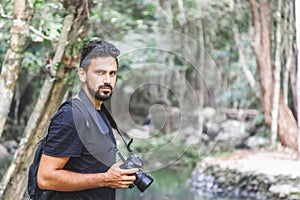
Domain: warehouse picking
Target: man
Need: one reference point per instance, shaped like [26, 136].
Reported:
[74, 165]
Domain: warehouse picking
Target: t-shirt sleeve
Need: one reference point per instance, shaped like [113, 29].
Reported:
[62, 139]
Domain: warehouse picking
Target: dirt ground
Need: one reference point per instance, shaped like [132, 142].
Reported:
[279, 161]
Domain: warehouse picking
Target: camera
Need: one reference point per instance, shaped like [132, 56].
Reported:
[142, 181]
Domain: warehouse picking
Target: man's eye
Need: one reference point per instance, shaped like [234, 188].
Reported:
[113, 73]
[99, 72]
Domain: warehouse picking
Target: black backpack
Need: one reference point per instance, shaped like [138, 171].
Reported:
[33, 190]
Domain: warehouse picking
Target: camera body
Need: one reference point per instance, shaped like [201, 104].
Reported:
[142, 181]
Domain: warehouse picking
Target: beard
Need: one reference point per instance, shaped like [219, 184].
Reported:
[101, 96]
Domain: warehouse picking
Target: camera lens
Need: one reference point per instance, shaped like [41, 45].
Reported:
[143, 181]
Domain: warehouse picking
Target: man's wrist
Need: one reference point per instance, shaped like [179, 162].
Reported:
[102, 179]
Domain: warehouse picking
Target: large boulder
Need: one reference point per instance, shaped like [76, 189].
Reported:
[208, 113]
[255, 142]
[212, 129]
[233, 134]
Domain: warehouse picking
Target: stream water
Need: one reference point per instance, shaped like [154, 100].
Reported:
[168, 184]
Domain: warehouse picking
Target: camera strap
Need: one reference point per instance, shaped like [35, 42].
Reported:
[114, 125]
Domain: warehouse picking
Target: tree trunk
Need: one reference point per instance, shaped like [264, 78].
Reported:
[297, 7]
[287, 130]
[165, 9]
[293, 82]
[277, 71]
[250, 78]
[169, 15]
[23, 11]
[201, 55]
[261, 45]
[288, 34]
[15, 180]
[182, 18]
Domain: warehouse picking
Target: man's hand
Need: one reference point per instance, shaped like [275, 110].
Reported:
[120, 178]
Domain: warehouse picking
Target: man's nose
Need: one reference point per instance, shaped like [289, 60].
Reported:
[106, 78]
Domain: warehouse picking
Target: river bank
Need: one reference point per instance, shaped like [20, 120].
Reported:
[249, 174]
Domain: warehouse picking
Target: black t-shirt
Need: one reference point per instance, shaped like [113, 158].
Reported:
[63, 141]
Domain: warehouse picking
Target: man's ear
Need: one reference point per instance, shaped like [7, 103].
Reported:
[82, 75]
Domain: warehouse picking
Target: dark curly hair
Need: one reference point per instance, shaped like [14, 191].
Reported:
[97, 48]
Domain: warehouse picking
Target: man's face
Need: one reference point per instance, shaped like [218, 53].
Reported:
[101, 77]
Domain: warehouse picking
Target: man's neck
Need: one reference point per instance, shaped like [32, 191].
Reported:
[97, 104]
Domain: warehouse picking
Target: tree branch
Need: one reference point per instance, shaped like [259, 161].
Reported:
[242, 60]
[3, 14]
[38, 33]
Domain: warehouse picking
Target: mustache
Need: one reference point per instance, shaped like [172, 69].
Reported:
[105, 86]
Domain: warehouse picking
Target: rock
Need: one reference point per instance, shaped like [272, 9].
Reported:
[213, 179]
[233, 134]
[188, 131]
[208, 113]
[255, 142]
[294, 196]
[222, 180]
[11, 146]
[212, 129]
[234, 126]
[204, 138]
[244, 193]
[3, 151]
[284, 189]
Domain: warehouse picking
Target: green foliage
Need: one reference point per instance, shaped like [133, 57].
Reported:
[47, 19]
[259, 120]
[152, 144]
[261, 130]
[113, 17]
[7, 7]
[177, 152]
[238, 90]
[37, 4]
[264, 132]
[36, 56]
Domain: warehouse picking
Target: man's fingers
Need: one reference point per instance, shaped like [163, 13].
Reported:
[129, 178]
[130, 171]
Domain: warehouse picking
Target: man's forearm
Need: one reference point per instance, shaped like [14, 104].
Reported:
[63, 180]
